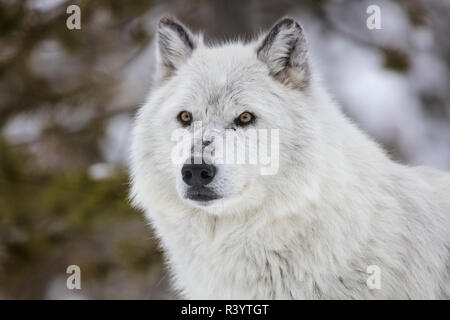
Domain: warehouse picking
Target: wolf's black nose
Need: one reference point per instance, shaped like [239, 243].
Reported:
[198, 175]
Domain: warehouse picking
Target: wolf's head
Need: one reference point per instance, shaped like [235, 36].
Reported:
[259, 93]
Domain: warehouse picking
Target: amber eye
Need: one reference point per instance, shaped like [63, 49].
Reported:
[185, 117]
[244, 118]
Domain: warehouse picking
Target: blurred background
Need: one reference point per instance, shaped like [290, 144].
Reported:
[68, 98]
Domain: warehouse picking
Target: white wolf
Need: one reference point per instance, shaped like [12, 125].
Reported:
[337, 205]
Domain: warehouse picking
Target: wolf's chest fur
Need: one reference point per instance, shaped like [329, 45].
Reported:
[258, 259]
[283, 259]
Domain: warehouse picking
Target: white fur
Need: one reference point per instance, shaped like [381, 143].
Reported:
[337, 205]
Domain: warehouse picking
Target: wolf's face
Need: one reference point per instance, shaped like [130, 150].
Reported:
[212, 109]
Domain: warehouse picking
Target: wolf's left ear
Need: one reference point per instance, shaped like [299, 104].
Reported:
[175, 46]
[284, 50]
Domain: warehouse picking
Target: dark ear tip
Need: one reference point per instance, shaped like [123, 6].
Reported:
[288, 21]
[167, 21]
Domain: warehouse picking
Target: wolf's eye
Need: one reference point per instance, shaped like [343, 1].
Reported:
[185, 117]
[244, 119]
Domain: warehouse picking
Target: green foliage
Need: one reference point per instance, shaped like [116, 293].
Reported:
[49, 221]
[52, 213]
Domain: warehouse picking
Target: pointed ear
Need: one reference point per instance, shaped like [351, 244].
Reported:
[175, 46]
[284, 50]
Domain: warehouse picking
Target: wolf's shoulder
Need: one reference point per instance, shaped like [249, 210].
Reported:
[432, 172]
[436, 191]
[438, 179]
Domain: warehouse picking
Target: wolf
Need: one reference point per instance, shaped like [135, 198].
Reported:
[337, 207]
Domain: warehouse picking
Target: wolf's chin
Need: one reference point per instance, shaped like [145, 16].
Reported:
[204, 203]
[201, 194]
[218, 207]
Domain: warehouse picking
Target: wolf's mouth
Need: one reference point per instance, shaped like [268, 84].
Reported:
[201, 194]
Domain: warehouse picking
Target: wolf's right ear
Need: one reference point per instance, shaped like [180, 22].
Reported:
[284, 50]
[175, 46]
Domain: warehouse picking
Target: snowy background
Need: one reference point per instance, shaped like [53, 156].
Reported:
[68, 97]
